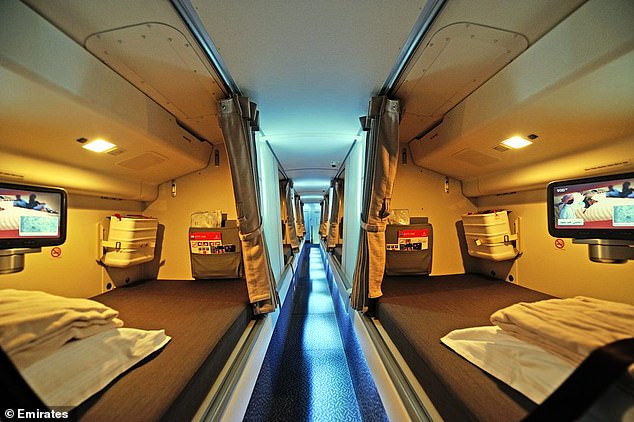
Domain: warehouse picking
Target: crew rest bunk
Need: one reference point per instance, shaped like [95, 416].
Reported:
[417, 311]
[205, 319]
[405, 329]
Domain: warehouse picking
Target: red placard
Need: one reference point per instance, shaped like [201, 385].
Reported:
[410, 233]
[413, 239]
[205, 236]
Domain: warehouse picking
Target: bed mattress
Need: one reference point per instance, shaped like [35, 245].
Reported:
[205, 320]
[416, 311]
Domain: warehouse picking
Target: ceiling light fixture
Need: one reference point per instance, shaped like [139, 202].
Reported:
[99, 145]
[516, 142]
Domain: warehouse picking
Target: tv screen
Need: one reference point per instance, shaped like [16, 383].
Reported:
[599, 207]
[31, 216]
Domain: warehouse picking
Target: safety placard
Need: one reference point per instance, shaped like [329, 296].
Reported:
[204, 243]
[413, 239]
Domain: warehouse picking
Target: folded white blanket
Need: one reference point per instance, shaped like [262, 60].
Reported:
[533, 371]
[34, 324]
[570, 328]
[76, 371]
[527, 368]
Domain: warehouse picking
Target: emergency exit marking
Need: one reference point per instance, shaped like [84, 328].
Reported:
[559, 243]
[56, 252]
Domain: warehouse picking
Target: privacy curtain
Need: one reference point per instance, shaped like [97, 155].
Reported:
[238, 119]
[323, 227]
[380, 171]
[333, 224]
[299, 213]
[286, 192]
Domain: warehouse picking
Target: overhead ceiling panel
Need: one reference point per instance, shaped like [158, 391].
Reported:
[467, 44]
[54, 92]
[579, 101]
[148, 44]
[457, 60]
[160, 61]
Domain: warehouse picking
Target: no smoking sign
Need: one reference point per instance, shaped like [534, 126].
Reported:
[56, 252]
[560, 243]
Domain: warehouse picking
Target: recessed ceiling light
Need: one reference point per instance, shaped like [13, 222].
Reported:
[99, 145]
[516, 142]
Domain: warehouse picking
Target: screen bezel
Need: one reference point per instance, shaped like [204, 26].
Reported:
[37, 242]
[584, 233]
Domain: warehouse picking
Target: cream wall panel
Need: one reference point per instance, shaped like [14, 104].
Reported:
[75, 272]
[560, 272]
[207, 189]
[422, 192]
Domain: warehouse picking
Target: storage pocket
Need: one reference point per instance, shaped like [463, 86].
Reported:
[407, 262]
[222, 265]
[409, 249]
[215, 253]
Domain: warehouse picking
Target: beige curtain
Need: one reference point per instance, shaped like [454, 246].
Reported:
[238, 119]
[286, 192]
[380, 172]
[333, 223]
[299, 212]
[323, 226]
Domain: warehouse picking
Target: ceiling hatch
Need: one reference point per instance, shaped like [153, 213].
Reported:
[457, 60]
[153, 56]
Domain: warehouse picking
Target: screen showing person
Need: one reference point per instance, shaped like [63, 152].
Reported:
[604, 203]
[31, 216]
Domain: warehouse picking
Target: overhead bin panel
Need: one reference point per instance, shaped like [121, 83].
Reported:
[54, 92]
[160, 61]
[456, 61]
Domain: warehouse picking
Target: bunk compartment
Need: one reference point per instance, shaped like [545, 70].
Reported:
[205, 320]
[417, 311]
[153, 350]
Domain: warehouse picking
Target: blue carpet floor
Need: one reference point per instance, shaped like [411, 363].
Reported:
[305, 374]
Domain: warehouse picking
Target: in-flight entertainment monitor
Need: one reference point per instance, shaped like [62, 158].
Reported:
[599, 207]
[31, 216]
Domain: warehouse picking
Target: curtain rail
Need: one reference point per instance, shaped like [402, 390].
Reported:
[187, 12]
[423, 23]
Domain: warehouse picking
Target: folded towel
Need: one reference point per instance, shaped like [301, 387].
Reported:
[34, 324]
[571, 327]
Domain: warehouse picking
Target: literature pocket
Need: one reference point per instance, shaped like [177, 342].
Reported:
[408, 249]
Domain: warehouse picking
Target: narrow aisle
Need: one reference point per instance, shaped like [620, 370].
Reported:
[305, 374]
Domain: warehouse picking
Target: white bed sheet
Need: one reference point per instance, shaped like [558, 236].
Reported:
[527, 368]
[535, 372]
[79, 369]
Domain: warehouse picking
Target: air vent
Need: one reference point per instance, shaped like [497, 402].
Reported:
[116, 151]
[605, 166]
[475, 158]
[501, 148]
[143, 161]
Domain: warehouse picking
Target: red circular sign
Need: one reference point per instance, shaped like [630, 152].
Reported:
[56, 252]
[559, 243]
